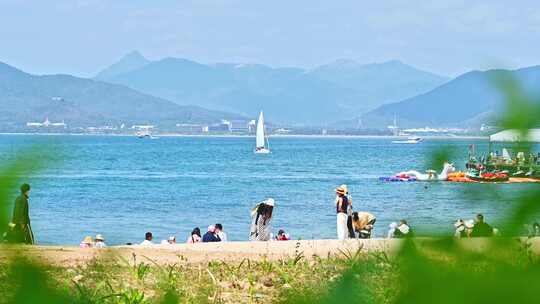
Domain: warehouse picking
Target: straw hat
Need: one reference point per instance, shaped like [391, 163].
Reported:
[341, 189]
[87, 240]
[99, 237]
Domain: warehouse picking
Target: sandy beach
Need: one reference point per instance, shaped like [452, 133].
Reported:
[227, 251]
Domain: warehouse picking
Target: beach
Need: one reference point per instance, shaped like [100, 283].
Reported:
[201, 253]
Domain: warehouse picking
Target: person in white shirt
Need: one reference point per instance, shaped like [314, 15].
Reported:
[147, 239]
[220, 233]
[99, 241]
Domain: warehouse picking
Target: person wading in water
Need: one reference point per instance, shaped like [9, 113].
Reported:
[20, 229]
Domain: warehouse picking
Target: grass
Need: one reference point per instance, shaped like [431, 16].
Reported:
[109, 280]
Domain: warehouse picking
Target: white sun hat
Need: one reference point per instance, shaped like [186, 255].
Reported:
[269, 202]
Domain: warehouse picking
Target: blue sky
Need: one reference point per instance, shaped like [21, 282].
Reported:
[448, 37]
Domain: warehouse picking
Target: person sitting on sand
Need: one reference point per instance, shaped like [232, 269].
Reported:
[147, 239]
[195, 236]
[220, 233]
[261, 218]
[403, 230]
[463, 228]
[363, 223]
[170, 241]
[481, 228]
[100, 241]
[282, 236]
[536, 229]
[87, 242]
[210, 235]
[342, 206]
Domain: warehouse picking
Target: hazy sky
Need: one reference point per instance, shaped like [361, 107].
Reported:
[443, 36]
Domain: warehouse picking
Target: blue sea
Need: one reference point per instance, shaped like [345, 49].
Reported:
[123, 186]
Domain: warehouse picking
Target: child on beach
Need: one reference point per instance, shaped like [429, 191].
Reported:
[282, 236]
[87, 242]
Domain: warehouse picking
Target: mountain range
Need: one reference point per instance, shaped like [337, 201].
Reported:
[331, 92]
[468, 100]
[84, 102]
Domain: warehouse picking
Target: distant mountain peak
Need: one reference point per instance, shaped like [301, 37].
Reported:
[129, 62]
[134, 55]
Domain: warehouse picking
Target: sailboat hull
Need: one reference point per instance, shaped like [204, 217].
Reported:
[262, 151]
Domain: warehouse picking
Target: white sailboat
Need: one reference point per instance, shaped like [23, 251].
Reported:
[262, 144]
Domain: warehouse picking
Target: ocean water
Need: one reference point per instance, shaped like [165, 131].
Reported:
[122, 187]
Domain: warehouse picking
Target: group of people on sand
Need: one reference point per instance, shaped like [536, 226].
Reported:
[349, 224]
[474, 228]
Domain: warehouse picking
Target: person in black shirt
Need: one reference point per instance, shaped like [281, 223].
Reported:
[20, 228]
[481, 228]
[211, 235]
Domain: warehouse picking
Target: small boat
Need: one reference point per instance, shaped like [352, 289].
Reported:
[410, 140]
[497, 177]
[144, 134]
[262, 145]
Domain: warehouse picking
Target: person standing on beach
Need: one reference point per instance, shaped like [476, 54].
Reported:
[20, 229]
[261, 218]
[342, 204]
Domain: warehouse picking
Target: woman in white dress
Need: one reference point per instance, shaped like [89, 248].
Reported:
[261, 218]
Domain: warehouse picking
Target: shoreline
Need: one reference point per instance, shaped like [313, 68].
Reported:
[66, 256]
[315, 136]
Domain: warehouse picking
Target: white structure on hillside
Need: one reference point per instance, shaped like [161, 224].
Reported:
[46, 123]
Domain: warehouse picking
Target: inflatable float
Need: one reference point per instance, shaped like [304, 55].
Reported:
[398, 178]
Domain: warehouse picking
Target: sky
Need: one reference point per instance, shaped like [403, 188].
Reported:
[448, 37]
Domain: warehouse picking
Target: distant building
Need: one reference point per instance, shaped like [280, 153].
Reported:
[242, 126]
[223, 126]
[192, 128]
[46, 123]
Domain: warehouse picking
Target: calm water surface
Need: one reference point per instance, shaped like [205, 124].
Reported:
[124, 186]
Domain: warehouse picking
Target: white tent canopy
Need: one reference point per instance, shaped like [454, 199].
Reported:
[514, 136]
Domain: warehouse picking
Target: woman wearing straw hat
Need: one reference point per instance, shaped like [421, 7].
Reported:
[261, 217]
[342, 204]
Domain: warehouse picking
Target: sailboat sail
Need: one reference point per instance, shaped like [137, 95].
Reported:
[260, 131]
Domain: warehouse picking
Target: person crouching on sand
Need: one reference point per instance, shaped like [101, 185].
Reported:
[342, 204]
[363, 223]
[261, 218]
